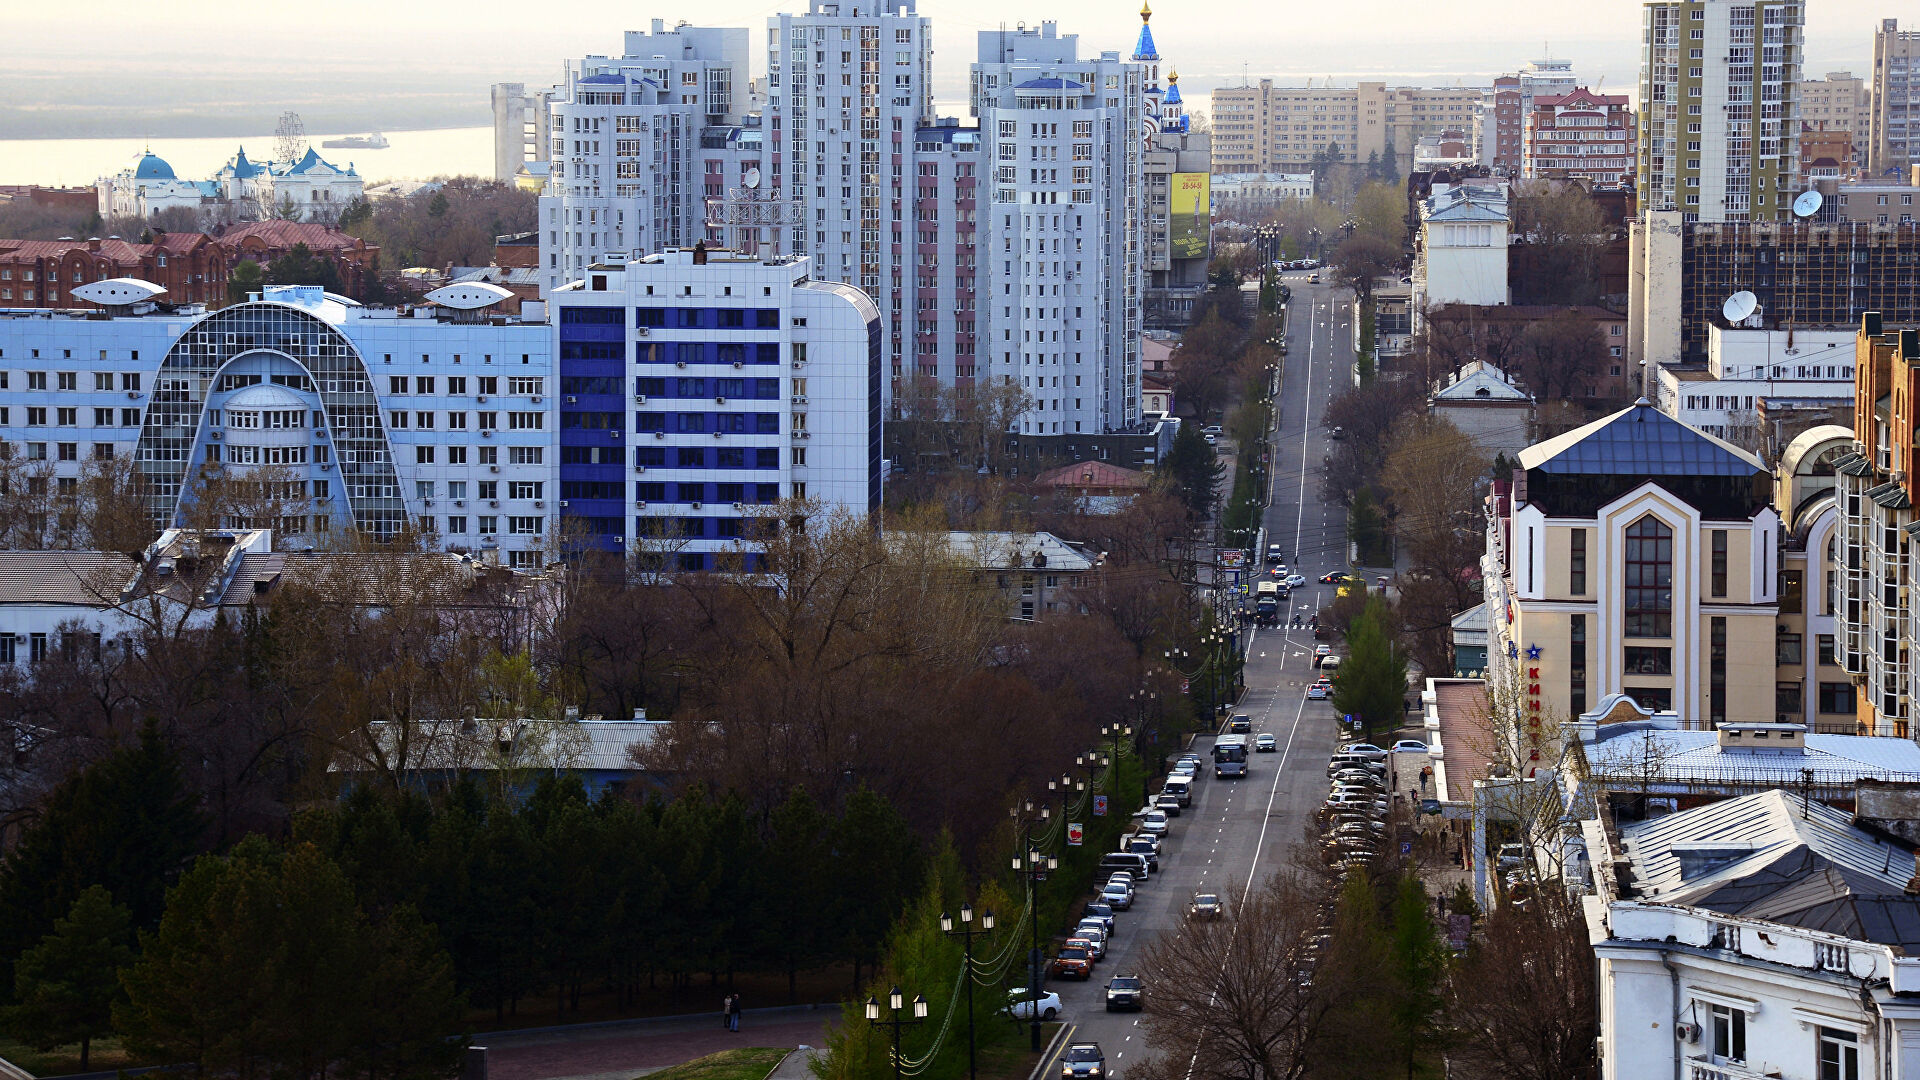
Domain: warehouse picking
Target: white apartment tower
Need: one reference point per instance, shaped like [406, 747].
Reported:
[847, 87]
[1064, 227]
[626, 145]
[1718, 120]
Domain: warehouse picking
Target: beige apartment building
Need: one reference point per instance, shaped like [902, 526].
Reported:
[1837, 103]
[1268, 128]
[1896, 98]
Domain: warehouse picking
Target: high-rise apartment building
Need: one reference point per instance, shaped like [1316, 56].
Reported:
[746, 380]
[946, 304]
[1718, 120]
[1896, 99]
[1837, 103]
[1509, 108]
[631, 168]
[1580, 136]
[1063, 234]
[520, 131]
[847, 89]
[1268, 128]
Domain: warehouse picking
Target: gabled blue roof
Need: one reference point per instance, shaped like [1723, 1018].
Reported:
[1639, 440]
[1049, 84]
[244, 169]
[150, 167]
[307, 164]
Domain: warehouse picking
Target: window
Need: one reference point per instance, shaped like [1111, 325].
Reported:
[1649, 579]
[1839, 1055]
[1825, 649]
[523, 386]
[1577, 563]
[1577, 665]
[526, 421]
[1837, 697]
[1719, 562]
[70, 380]
[489, 525]
[1791, 589]
[423, 455]
[1648, 660]
[1787, 650]
[1729, 1033]
[1787, 701]
[1717, 671]
[457, 525]
[525, 455]
[523, 526]
[524, 489]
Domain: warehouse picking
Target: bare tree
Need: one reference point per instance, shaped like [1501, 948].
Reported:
[1560, 356]
[1522, 1003]
[1563, 232]
[1236, 996]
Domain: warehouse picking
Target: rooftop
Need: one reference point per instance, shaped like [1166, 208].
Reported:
[1098, 474]
[1640, 440]
[1010, 550]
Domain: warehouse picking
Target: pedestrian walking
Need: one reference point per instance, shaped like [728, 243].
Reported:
[733, 1013]
[726, 1012]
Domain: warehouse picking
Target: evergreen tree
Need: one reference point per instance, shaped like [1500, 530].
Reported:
[1416, 966]
[66, 985]
[245, 278]
[301, 266]
[126, 823]
[1372, 681]
[1194, 469]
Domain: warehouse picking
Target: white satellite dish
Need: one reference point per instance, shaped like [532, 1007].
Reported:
[1740, 306]
[751, 179]
[1808, 204]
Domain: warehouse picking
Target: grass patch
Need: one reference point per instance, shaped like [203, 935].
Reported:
[1009, 1060]
[746, 1063]
[105, 1054]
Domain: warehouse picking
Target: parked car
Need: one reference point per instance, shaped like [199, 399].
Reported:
[1365, 750]
[1117, 896]
[1144, 845]
[1126, 992]
[1214, 430]
[1512, 857]
[1154, 822]
[1090, 932]
[1409, 746]
[1167, 803]
[1022, 1005]
[1073, 961]
[1265, 743]
[1083, 1061]
[1205, 906]
[1098, 910]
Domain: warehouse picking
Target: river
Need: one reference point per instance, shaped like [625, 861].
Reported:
[413, 155]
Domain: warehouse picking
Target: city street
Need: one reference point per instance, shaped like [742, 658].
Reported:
[1237, 833]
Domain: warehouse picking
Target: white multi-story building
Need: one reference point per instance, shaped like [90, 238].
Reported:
[1718, 123]
[1064, 229]
[1746, 368]
[629, 150]
[379, 420]
[520, 128]
[1894, 107]
[1461, 251]
[310, 189]
[747, 381]
[848, 88]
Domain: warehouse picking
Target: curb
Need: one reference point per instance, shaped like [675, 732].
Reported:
[1046, 1056]
[769, 1012]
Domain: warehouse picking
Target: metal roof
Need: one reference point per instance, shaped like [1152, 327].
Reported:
[1640, 440]
[1692, 756]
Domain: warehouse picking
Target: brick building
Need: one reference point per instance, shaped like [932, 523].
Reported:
[42, 273]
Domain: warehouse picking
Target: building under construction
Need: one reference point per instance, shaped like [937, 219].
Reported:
[1804, 275]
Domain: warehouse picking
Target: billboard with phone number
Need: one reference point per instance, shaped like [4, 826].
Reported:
[1190, 215]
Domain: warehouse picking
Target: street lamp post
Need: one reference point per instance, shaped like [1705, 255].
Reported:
[966, 932]
[1116, 731]
[894, 1020]
[1092, 761]
[1034, 867]
[1214, 641]
[1348, 226]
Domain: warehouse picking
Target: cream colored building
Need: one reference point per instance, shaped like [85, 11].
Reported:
[1837, 103]
[1268, 128]
[1895, 100]
[1634, 555]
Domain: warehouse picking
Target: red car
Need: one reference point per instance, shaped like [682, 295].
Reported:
[1075, 960]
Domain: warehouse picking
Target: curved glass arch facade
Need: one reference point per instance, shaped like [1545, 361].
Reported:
[176, 411]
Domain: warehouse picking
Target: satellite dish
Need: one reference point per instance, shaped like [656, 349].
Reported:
[1808, 204]
[751, 179]
[1740, 306]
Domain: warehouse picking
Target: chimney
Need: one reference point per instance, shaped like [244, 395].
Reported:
[700, 253]
[1913, 883]
[1870, 323]
[93, 243]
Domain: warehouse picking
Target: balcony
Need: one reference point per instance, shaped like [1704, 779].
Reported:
[1706, 1070]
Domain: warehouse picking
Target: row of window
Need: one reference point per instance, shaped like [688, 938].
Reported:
[400, 420]
[67, 416]
[484, 525]
[485, 489]
[487, 455]
[70, 380]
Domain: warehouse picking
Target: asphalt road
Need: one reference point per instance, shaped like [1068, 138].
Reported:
[1238, 833]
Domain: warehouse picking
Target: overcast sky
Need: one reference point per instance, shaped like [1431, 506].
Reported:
[474, 42]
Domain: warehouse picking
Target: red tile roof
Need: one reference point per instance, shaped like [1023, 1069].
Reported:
[284, 234]
[1096, 474]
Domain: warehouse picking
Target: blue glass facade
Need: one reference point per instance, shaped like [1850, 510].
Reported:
[593, 369]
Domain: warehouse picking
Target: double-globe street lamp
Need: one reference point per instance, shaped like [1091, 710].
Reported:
[966, 932]
[1034, 867]
[895, 1021]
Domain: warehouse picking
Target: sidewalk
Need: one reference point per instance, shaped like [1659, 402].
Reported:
[626, 1050]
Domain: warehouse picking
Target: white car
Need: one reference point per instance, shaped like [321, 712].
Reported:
[1409, 746]
[1319, 691]
[1365, 750]
[1294, 581]
[1022, 1007]
[1154, 821]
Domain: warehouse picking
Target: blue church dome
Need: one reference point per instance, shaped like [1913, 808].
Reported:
[148, 166]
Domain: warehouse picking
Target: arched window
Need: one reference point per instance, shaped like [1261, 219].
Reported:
[1649, 578]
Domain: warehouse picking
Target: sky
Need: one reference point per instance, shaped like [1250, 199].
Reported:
[232, 56]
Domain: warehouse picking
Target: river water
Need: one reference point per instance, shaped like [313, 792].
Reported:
[413, 155]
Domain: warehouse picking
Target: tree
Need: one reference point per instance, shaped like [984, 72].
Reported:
[246, 277]
[1236, 990]
[1372, 681]
[1562, 233]
[1561, 355]
[1522, 1002]
[301, 266]
[1416, 964]
[1364, 259]
[1194, 469]
[1324, 159]
[1380, 210]
[126, 823]
[67, 984]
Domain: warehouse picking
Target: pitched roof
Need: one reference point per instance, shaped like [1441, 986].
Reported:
[1091, 474]
[284, 234]
[1696, 756]
[66, 578]
[1480, 381]
[1639, 440]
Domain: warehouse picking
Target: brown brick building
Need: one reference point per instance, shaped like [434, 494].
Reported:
[192, 267]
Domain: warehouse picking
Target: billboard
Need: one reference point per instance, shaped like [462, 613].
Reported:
[1189, 215]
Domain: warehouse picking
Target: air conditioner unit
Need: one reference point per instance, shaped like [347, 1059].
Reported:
[493, 468]
[737, 364]
[1687, 1032]
[213, 434]
[571, 400]
[799, 399]
[319, 433]
[541, 504]
[482, 398]
[493, 504]
[680, 363]
[641, 331]
[326, 466]
[459, 502]
[739, 506]
[719, 401]
[719, 434]
[490, 541]
[697, 506]
[798, 364]
[613, 433]
[639, 399]
[659, 434]
[803, 434]
[426, 502]
[537, 399]
[133, 395]
[640, 505]
[639, 468]
[486, 433]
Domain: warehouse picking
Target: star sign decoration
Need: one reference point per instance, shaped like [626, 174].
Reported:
[1533, 652]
